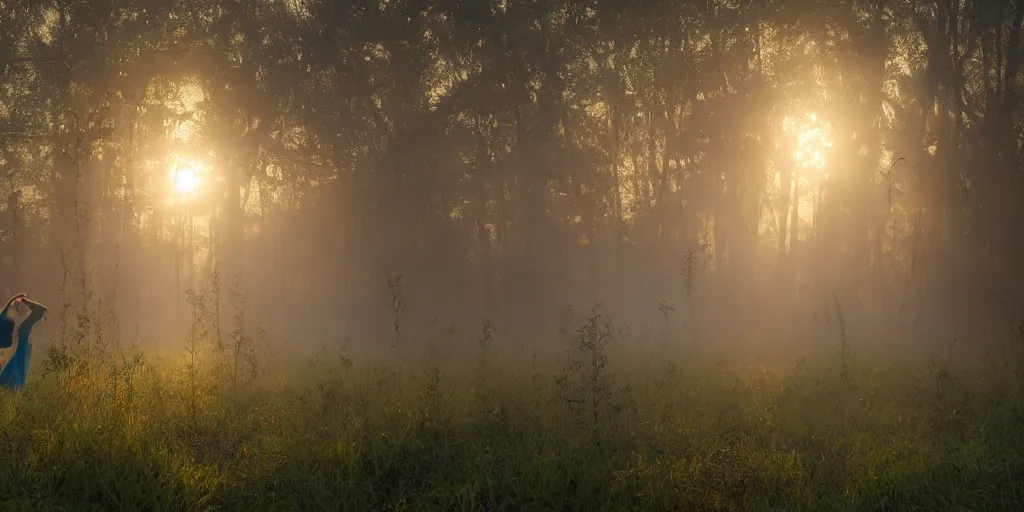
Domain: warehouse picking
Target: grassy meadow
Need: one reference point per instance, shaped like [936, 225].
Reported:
[589, 425]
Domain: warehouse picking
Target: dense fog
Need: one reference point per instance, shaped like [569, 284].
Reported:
[725, 173]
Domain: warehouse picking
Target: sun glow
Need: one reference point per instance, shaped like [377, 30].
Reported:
[812, 141]
[808, 142]
[186, 178]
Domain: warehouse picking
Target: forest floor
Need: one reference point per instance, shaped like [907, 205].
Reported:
[600, 429]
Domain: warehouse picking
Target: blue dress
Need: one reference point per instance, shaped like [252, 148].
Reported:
[14, 358]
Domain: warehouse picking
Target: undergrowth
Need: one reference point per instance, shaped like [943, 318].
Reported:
[596, 429]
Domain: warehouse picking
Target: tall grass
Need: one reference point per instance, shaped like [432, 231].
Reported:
[597, 429]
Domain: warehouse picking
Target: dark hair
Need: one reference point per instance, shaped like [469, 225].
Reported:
[6, 331]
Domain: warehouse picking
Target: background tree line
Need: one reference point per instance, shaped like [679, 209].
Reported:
[736, 157]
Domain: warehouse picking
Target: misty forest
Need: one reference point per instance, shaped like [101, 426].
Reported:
[515, 254]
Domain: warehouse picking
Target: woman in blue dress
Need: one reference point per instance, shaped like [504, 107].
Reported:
[15, 349]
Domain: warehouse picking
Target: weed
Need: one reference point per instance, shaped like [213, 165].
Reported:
[844, 346]
[343, 434]
[587, 386]
[666, 310]
[689, 273]
[483, 365]
[394, 280]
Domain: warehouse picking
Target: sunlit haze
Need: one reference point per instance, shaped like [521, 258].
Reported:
[512, 255]
[813, 141]
[186, 180]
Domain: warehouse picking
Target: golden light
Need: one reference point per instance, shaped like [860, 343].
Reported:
[186, 177]
[812, 140]
[810, 144]
[185, 181]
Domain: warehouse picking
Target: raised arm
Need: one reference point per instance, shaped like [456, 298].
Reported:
[36, 309]
[16, 297]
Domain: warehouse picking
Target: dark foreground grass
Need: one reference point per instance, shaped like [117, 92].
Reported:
[498, 435]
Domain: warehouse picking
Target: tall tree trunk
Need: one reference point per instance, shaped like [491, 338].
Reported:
[15, 245]
[482, 172]
[794, 235]
[785, 195]
[617, 221]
